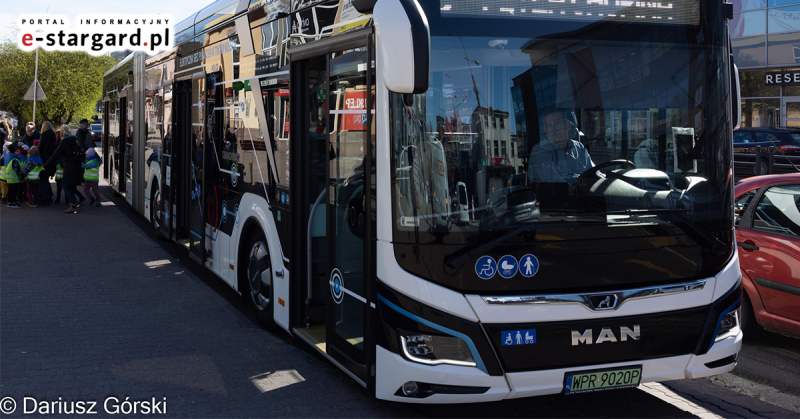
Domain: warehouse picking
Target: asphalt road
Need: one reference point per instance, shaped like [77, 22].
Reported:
[768, 369]
[771, 359]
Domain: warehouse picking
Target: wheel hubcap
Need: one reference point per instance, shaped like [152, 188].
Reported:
[156, 208]
[259, 275]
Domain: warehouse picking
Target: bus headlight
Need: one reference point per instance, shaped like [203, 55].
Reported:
[435, 349]
[728, 325]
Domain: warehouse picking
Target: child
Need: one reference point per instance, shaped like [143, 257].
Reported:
[33, 167]
[3, 183]
[91, 175]
[14, 176]
[23, 160]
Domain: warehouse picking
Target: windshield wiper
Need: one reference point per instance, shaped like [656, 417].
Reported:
[713, 244]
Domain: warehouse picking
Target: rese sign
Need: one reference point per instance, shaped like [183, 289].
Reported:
[782, 79]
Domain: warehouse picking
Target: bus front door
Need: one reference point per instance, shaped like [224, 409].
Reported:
[333, 112]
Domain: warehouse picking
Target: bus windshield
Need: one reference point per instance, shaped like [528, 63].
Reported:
[564, 117]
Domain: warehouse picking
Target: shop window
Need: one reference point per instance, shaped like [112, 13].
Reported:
[750, 51]
[761, 112]
[773, 3]
[783, 19]
[781, 48]
[744, 5]
[748, 23]
[753, 84]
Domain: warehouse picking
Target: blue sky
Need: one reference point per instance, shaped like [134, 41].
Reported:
[179, 9]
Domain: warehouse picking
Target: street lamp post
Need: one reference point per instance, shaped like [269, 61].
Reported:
[35, 82]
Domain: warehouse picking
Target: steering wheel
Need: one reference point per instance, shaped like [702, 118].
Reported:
[592, 171]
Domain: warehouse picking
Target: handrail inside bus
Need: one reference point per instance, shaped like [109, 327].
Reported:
[308, 244]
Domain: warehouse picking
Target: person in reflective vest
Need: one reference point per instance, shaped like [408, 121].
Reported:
[33, 168]
[3, 184]
[23, 186]
[91, 175]
[14, 175]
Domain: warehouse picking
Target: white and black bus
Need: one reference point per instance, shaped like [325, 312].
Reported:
[453, 201]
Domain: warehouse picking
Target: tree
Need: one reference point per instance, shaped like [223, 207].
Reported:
[72, 82]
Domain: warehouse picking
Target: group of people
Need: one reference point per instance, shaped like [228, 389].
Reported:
[27, 166]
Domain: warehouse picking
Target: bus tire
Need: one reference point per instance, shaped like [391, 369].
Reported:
[255, 277]
[155, 195]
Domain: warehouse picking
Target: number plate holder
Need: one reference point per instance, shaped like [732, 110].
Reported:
[576, 382]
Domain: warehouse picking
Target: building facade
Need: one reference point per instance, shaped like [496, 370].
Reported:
[766, 48]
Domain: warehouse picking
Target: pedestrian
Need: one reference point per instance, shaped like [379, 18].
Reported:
[91, 175]
[47, 145]
[30, 134]
[32, 171]
[5, 131]
[3, 184]
[85, 137]
[72, 155]
[13, 171]
[23, 187]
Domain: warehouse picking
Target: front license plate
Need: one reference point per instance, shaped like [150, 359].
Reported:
[599, 380]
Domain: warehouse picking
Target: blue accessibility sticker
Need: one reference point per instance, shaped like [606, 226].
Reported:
[485, 267]
[518, 337]
[508, 266]
[528, 265]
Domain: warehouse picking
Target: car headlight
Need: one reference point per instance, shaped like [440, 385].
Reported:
[728, 325]
[435, 349]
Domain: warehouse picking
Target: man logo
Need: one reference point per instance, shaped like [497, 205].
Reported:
[604, 302]
[606, 335]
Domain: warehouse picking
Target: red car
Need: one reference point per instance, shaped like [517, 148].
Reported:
[768, 235]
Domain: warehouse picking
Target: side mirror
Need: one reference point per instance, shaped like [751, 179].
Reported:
[404, 47]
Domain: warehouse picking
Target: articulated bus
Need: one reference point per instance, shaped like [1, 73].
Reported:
[452, 201]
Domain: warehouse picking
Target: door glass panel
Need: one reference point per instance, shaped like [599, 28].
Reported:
[793, 110]
[196, 223]
[778, 211]
[764, 137]
[761, 112]
[348, 120]
[315, 104]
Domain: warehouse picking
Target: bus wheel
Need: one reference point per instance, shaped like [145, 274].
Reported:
[155, 212]
[255, 273]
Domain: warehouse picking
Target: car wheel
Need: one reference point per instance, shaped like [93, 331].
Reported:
[255, 278]
[750, 326]
[761, 169]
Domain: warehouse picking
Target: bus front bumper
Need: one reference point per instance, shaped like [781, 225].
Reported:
[457, 384]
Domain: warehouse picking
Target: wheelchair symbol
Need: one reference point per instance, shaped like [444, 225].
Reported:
[486, 267]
